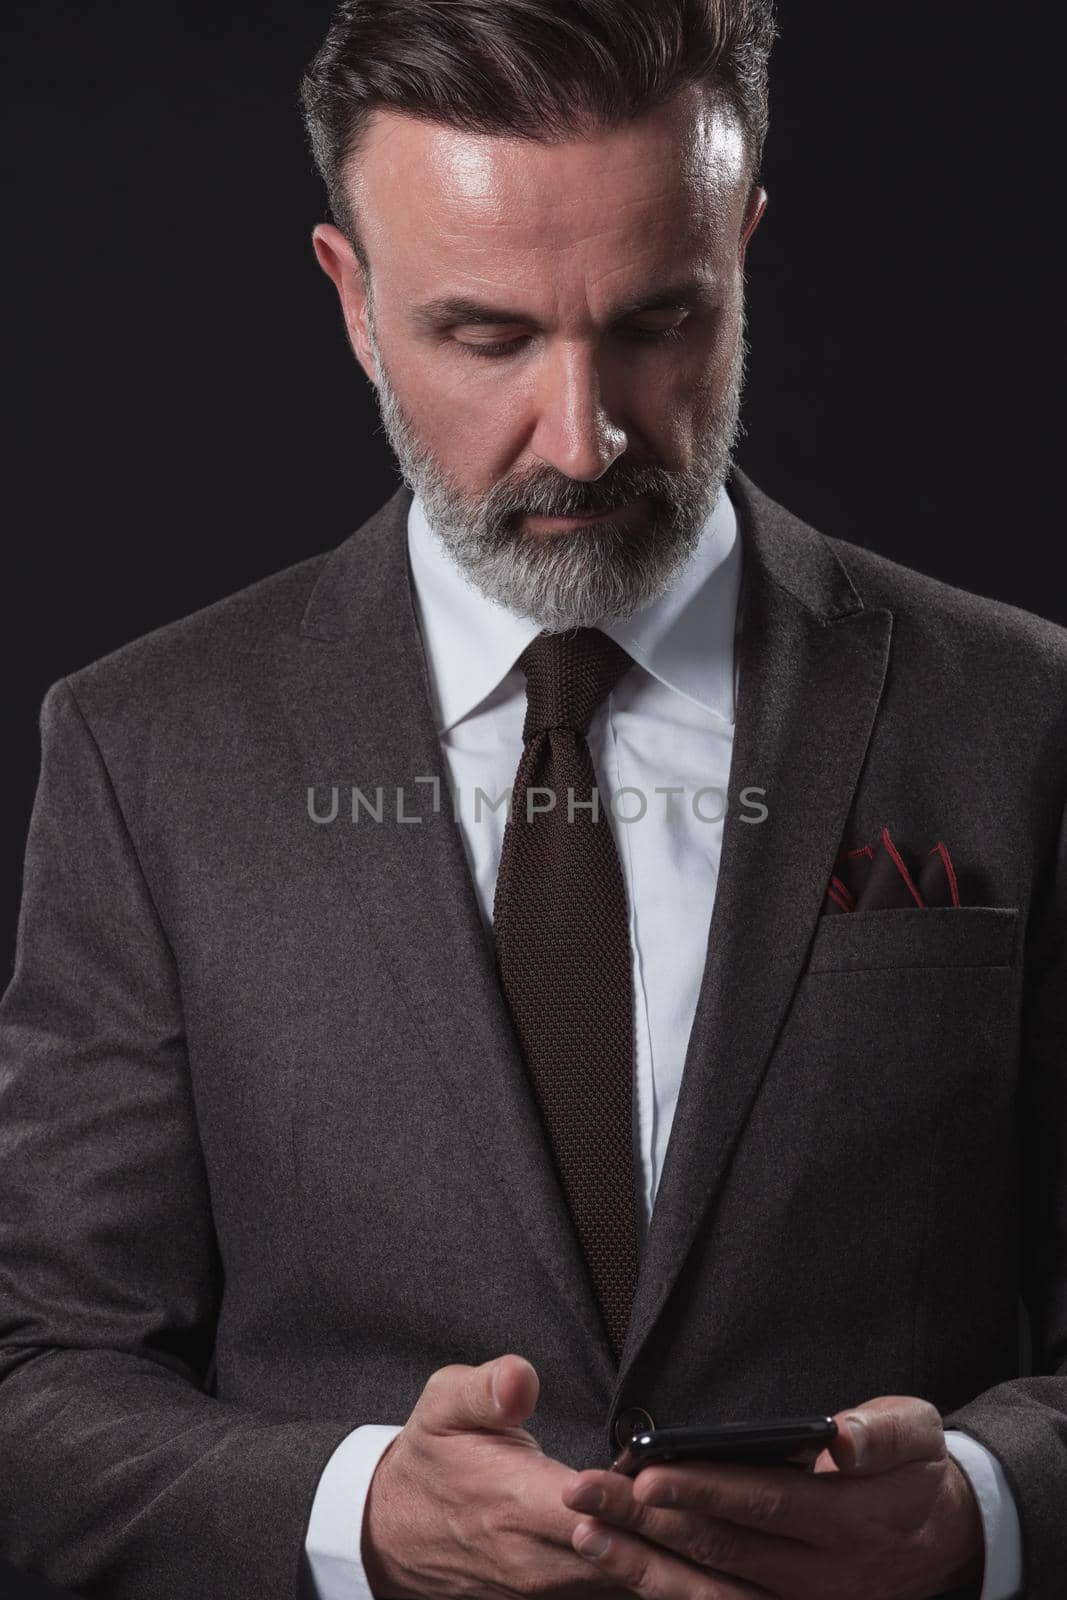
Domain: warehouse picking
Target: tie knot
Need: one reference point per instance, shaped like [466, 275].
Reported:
[567, 676]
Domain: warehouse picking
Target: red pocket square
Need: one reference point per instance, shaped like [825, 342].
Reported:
[878, 878]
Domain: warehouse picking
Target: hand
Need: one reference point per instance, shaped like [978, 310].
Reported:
[465, 1505]
[897, 1522]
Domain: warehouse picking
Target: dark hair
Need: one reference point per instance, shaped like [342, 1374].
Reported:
[539, 69]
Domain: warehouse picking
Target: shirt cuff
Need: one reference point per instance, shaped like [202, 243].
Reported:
[335, 1531]
[1000, 1517]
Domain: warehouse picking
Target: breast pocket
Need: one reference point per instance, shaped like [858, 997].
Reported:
[934, 937]
[905, 1024]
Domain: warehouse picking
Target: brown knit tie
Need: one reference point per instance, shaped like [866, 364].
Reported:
[563, 952]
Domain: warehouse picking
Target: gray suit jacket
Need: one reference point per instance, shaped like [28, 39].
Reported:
[269, 1153]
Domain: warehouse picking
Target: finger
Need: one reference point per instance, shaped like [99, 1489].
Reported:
[778, 1501]
[765, 1501]
[724, 1547]
[654, 1573]
[886, 1433]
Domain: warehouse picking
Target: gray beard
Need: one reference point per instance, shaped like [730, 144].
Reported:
[589, 575]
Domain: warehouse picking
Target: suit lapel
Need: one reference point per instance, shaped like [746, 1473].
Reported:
[812, 667]
[356, 696]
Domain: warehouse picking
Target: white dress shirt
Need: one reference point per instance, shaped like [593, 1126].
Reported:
[668, 723]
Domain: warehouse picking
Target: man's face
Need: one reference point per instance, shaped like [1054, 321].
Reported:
[597, 364]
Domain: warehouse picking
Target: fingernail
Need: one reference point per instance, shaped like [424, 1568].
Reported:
[597, 1544]
[858, 1430]
[589, 1499]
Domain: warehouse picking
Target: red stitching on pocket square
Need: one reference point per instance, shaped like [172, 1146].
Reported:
[941, 849]
[898, 862]
[842, 894]
[858, 884]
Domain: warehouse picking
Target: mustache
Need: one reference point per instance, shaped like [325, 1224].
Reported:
[574, 499]
[568, 506]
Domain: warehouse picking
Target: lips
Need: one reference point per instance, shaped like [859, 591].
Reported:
[559, 520]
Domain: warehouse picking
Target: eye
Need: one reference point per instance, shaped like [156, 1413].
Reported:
[508, 347]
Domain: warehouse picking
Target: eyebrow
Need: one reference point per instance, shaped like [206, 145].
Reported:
[435, 314]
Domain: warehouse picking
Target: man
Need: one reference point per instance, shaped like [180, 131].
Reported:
[335, 1094]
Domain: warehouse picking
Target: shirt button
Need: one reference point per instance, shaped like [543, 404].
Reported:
[627, 1423]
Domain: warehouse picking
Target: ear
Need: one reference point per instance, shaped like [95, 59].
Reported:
[757, 205]
[338, 260]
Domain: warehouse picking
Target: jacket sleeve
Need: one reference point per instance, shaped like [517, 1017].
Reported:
[1024, 1421]
[119, 1474]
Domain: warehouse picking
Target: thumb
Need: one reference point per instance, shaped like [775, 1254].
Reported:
[513, 1389]
[500, 1394]
[886, 1433]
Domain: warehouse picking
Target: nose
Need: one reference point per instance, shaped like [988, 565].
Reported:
[574, 431]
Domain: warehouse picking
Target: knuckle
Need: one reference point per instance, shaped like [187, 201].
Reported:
[765, 1504]
[645, 1519]
[720, 1543]
[641, 1576]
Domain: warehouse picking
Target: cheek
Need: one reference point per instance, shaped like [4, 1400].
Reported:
[450, 398]
[683, 391]
[474, 385]
[472, 423]
[712, 381]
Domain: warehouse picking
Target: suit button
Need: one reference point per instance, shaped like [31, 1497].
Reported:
[627, 1423]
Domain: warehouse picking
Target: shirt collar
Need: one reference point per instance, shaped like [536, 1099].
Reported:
[685, 638]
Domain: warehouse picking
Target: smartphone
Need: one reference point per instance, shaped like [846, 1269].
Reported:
[780, 1442]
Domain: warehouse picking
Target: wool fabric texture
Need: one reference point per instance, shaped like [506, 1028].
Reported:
[561, 928]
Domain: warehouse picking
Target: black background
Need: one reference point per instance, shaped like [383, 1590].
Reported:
[186, 416]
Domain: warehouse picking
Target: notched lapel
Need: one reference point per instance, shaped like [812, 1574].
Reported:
[356, 695]
[813, 664]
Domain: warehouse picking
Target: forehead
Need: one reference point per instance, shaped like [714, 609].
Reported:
[431, 198]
